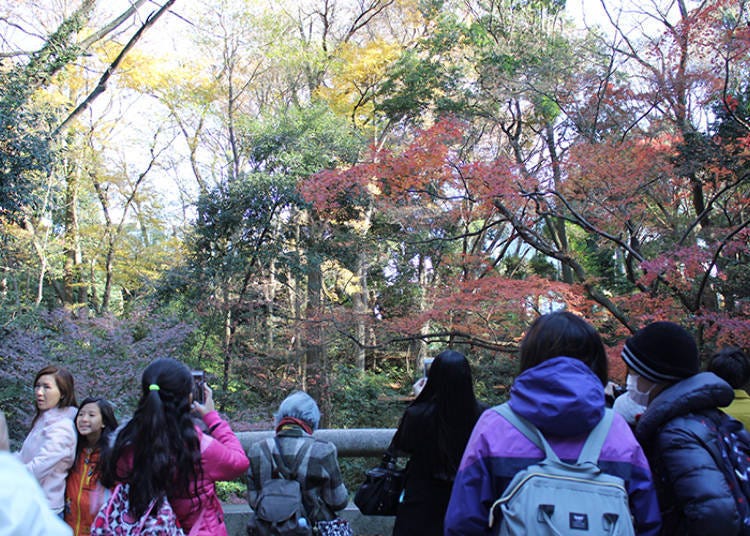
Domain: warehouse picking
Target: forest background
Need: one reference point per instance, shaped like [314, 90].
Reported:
[321, 194]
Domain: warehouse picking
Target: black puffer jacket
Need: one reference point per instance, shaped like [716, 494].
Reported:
[694, 496]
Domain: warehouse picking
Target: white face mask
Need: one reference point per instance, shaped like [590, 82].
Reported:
[639, 397]
[630, 411]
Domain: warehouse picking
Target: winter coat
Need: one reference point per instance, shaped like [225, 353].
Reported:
[222, 458]
[49, 450]
[429, 480]
[565, 400]
[319, 475]
[693, 493]
[23, 507]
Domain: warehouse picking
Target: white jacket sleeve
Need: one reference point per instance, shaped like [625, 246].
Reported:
[58, 444]
[23, 507]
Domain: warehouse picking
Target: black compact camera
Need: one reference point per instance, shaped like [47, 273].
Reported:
[199, 380]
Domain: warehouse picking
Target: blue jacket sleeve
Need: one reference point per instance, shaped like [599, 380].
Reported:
[644, 504]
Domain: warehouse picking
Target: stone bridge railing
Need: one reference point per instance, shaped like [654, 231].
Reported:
[350, 443]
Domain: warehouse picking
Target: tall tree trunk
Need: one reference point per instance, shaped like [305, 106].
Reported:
[74, 287]
[227, 343]
[92, 287]
[361, 297]
[315, 348]
[109, 273]
[296, 304]
[71, 238]
[418, 348]
[558, 231]
[360, 310]
[313, 341]
[270, 298]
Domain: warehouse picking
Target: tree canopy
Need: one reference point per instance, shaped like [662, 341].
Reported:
[326, 184]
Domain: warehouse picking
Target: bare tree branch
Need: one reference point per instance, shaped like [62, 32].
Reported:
[111, 26]
[102, 84]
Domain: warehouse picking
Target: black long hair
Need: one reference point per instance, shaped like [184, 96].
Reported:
[561, 334]
[449, 399]
[162, 439]
[108, 420]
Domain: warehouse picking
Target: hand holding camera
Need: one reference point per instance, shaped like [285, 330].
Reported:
[203, 397]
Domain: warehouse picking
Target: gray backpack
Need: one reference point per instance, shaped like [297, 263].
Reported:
[278, 509]
[557, 498]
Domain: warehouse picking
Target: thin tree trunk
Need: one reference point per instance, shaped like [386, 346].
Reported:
[227, 340]
[109, 273]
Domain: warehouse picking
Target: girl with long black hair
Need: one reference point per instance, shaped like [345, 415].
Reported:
[84, 495]
[433, 432]
[161, 453]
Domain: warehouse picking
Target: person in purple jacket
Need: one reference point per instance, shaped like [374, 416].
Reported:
[560, 389]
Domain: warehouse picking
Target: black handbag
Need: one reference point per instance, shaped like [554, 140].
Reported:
[381, 490]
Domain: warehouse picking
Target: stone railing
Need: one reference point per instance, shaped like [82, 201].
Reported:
[350, 443]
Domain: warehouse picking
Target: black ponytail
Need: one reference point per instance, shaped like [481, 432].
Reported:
[161, 438]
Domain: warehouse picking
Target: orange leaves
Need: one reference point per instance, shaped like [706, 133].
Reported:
[427, 172]
[493, 307]
[727, 330]
[680, 266]
[633, 181]
[618, 171]
[334, 189]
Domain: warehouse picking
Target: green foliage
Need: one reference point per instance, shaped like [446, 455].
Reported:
[236, 221]
[362, 399]
[493, 376]
[14, 394]
[541, 266]
[300, 142]
[234, 492]
[25, 150]
[425, 77]
[600, 260]
[373, 399]
[26, 126]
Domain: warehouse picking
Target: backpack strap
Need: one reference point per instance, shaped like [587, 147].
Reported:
[277, 458]
[524, 426]
[591, 448]
[595, 441]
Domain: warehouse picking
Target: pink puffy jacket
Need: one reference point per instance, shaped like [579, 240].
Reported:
[222, 458]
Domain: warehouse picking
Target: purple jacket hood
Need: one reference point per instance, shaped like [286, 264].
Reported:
[561, 396]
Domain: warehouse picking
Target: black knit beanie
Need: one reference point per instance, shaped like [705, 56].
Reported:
[662, 352]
